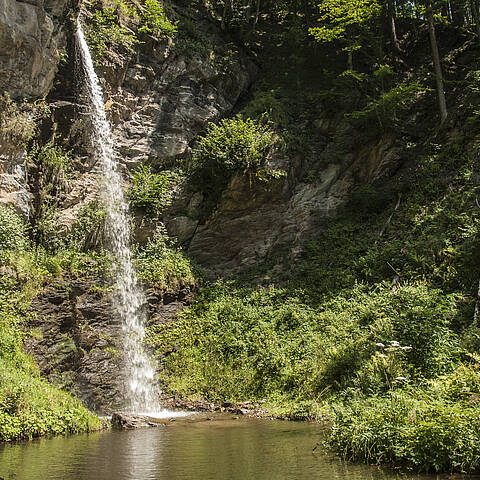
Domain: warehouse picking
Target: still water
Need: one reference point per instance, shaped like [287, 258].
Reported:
[196, 449]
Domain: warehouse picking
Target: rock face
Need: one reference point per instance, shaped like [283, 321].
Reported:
[13, 181]
[163, 103]
[256, 222]
[32, 34]
[77, 341]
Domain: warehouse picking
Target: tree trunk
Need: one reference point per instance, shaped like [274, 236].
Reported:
[476, 20]
[392, 24]
[476, 313]
[350, 60]
[438, 68]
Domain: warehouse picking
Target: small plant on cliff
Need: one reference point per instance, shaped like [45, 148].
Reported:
[150, 191]
[155, 22]
[105, 30]
[161, 265]
[17, 121]
[86, 232]
[233, 146]
[12, 230]
[55, 166]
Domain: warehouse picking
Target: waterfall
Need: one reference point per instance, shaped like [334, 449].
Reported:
[128, 299]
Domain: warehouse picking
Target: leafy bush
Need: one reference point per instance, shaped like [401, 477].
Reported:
[12, 230]
[104, 31]
[232, 146]
[162, 266]
[155, 21]
[433, 430]
[150, 191]
[87, 230]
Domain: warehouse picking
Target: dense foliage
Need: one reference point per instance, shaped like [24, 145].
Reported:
[150, 191]
[118, 25]
[159, 264]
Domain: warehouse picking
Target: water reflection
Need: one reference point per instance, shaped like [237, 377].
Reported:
[196, 450]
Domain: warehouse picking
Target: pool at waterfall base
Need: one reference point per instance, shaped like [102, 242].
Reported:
[198, 447]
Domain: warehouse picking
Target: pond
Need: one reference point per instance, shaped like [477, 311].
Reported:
[195, 449]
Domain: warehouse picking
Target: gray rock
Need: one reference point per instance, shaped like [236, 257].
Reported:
[128, 421]
[30, 39]
[182, 228]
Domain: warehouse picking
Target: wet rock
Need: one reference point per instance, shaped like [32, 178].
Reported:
[77, 340]
[127, 421]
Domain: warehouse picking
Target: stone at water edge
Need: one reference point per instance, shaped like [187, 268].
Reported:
[129, 421]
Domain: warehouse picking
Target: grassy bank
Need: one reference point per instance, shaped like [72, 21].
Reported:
[29, 406]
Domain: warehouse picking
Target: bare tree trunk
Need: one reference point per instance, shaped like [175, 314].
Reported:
[438, 68]
[476, 20]
[476, 314]
[392, 22]
[350, 59]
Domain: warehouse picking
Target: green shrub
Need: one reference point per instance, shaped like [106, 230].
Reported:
[104, 31]
[150, 191]
[431, 430]
[12, 230]
[155, 22]
[163, 266]
[232, 146]
[87, 230]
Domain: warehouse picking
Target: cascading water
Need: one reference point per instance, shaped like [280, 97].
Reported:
[128, 299]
